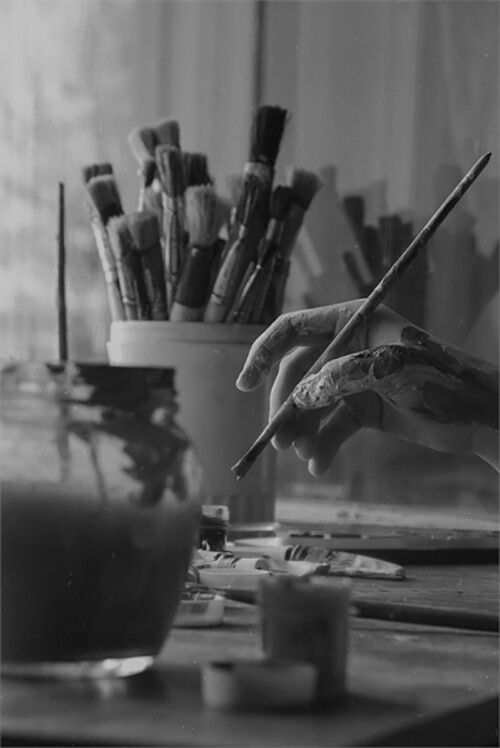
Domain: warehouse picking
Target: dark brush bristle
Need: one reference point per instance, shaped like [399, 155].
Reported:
[148, 171]
[354, 206]
[196, 169]
[120, 238]
[143, 142]
[96, 170]
[105, 197]
[88, 172]
[305, 184]
[144, 228]
[267, 131]
[168, 133]
[104, 168]
[280, 202]
[171, 169]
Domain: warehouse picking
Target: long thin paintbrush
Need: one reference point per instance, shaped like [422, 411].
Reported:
[105, 203]
[132, 286]
[203, 221]
[364, 312]
[236, 261]
[249, 306]
[145, 231]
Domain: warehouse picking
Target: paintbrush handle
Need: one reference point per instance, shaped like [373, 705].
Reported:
[173, 232]
[228, 280]
[425, 615]
[262, 295]
[360, 317]
[244, 309]
[154, 279]
[109, 269]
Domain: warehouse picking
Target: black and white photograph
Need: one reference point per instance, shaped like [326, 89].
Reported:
[249, 345]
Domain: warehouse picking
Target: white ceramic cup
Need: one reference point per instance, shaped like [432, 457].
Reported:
[221, 421]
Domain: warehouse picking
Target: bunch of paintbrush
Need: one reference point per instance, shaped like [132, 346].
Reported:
[249, 220]
[135, 241]
[303, 185]
[144, 141]
[255, 287]
[374, 250]
[186, 254]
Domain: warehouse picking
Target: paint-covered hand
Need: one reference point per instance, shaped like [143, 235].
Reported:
[393, 377]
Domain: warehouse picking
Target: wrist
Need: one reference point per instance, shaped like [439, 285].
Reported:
[485, 445]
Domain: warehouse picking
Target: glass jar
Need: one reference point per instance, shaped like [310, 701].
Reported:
[100, 500]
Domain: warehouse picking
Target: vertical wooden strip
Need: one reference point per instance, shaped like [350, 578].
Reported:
[61, 277]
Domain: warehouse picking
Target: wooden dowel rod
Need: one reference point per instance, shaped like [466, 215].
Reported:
[364, 312]
[61, 277]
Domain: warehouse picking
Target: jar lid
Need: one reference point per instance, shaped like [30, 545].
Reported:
[215, 511]
[99, 383]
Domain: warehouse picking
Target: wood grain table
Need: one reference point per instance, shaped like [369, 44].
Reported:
[408, 684]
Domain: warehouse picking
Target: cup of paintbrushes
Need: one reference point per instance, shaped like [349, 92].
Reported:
[220, 419]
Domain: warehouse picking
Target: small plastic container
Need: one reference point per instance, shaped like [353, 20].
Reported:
[222, 421]
[212, 534]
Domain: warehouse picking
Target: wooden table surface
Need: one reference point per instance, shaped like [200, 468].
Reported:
[408, 684]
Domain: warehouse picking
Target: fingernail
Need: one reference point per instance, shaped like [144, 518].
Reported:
[247, 379]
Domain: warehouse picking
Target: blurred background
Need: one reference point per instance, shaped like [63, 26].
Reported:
[390, 101]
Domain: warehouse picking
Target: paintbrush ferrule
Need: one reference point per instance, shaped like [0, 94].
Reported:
[262, 171]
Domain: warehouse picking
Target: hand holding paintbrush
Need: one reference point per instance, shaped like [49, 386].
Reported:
[359, 318]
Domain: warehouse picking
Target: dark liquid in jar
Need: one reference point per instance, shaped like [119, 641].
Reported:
[85, 579]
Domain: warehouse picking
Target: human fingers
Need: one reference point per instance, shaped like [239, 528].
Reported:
[337, 428]
[342, 377]
[291, 369]
[304, 327]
